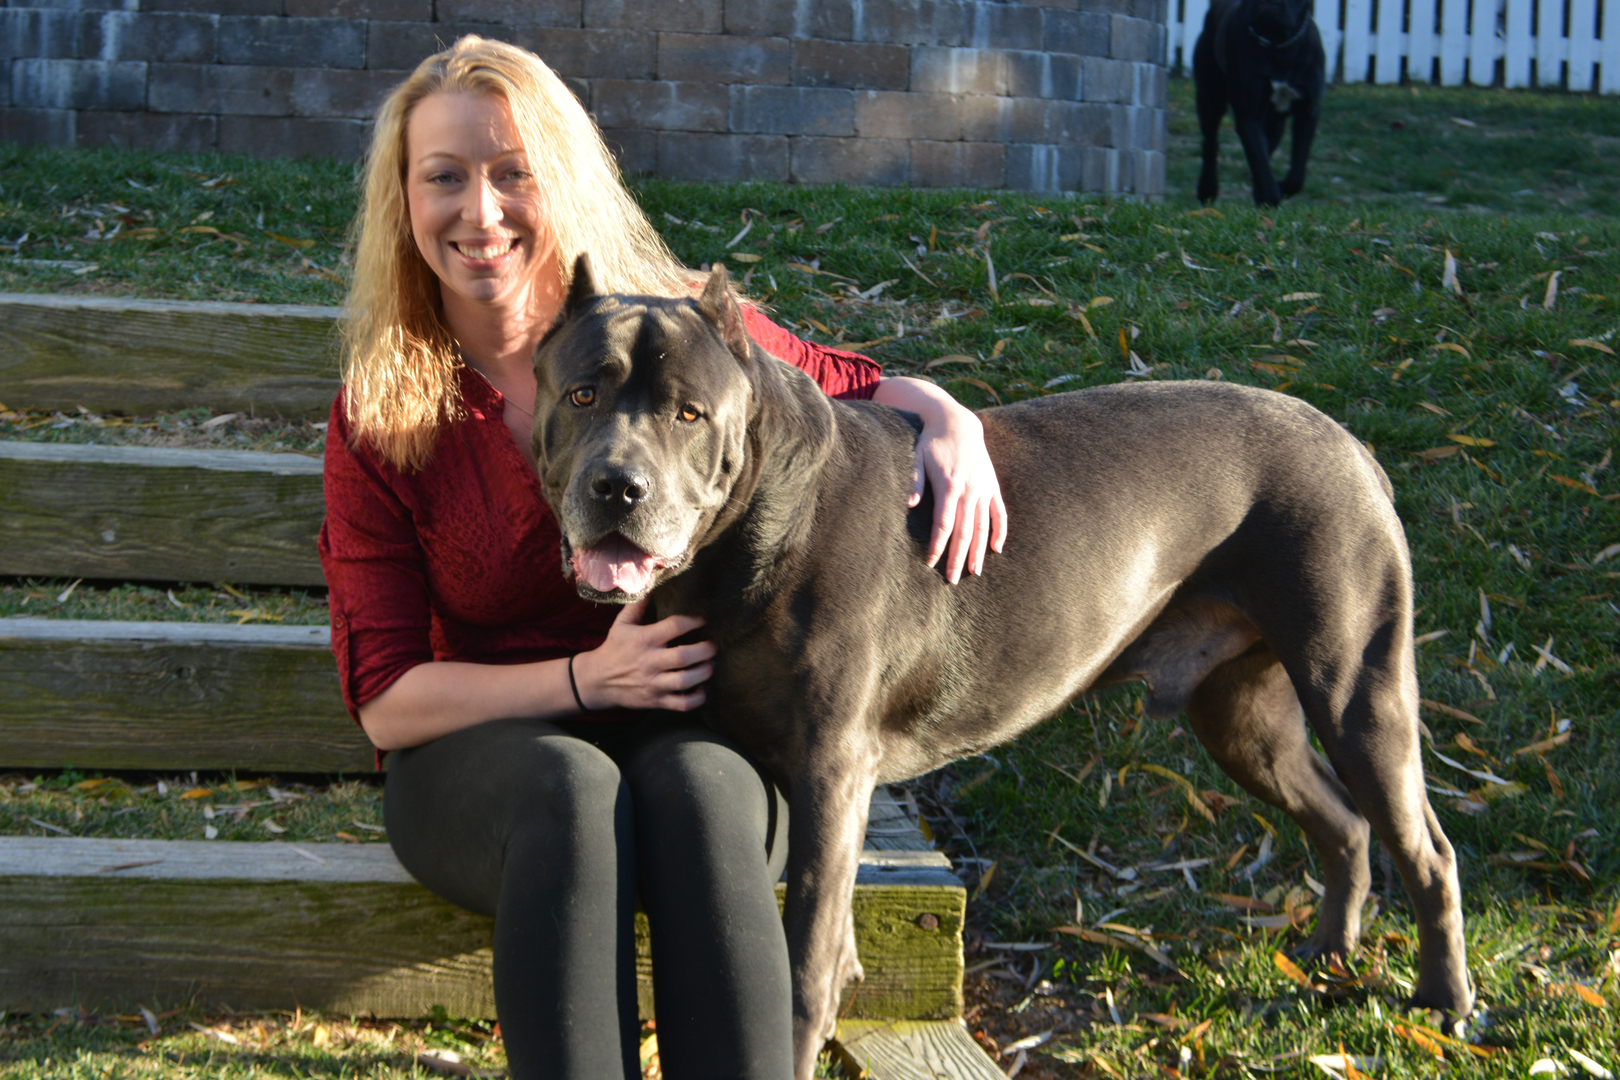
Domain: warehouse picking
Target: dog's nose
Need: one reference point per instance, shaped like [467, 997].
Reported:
[620, 487]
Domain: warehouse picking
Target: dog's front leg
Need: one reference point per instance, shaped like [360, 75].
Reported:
[826, 828]
[1251, 129]
[1307, 112]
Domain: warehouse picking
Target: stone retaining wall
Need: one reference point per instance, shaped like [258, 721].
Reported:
[1061, 95]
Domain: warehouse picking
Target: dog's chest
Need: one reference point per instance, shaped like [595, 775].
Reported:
[1283, 96]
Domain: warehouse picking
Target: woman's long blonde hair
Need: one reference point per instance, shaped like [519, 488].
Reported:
[399, 360]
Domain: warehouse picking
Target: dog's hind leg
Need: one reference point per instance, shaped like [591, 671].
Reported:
[1275, 122]
[1367, 723]
[1307, 112]
[1249, 719]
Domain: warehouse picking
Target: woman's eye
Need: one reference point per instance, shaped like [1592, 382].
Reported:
[689, 415]
[582, 397]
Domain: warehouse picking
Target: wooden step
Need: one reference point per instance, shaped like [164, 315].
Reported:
[131, 513]
[108, 924]
[151, 695]
[912, 1050]
[118, 354]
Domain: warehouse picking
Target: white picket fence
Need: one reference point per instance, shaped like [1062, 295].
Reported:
[1572, 44]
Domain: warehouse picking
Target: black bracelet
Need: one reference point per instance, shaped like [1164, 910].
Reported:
[574, 686]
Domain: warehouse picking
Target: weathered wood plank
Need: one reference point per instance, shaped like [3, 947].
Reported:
[131, 695]
[912, 1050]
[116, 354]
[106, 923]
[136, 512]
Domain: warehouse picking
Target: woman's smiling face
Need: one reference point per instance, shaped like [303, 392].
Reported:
[475, 206]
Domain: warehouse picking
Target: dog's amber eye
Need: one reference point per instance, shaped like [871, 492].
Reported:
[582, 397]
[689, 415]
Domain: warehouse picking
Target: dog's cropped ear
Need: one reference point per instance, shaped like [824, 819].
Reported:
[582, 290]
[720, 307]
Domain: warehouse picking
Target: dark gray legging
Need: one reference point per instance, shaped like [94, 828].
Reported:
[554, 829]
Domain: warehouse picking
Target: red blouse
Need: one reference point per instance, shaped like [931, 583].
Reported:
[462, 561]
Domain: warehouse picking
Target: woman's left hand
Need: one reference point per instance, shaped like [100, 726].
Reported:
[969, 514]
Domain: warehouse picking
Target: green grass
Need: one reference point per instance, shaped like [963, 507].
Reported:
[1515, 151]
[1491, 406]
[186, 807]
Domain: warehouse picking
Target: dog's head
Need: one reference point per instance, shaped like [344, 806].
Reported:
[1278, 21]
[641, 422]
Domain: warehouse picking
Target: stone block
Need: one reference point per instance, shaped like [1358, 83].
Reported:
[1152, 85]
[883, 114]
[393, 10]
[400, 46]
[581, 89]
[337, 92]
[854, 65]
[718, 158]
[169, 37]
[958, 71]
[1004, 26]
[792, 110]
[690, 16]
[1043, 74]
[1102, 79]
[946, 23]
[210, 7]
[1133, 39]
[336, 43]
[1143, 128]
[179, 132]
[987, 119]
[1150, 169]
[1099, 168]
[38, 127]
[725, 58]
[873, 162]
[273, 137]
[1081, 33]
[663, 106]
[38, 34]
[78, 84]
[594, 54]
[77, 5]
[511, 12]
[958, 164]
[1042, 167]
[636, 151]
[829, 19]
[220, 88]
[1073, 123]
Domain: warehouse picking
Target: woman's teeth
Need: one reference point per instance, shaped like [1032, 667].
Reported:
[490, 251]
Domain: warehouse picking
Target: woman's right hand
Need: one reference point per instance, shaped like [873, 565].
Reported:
[637, 668]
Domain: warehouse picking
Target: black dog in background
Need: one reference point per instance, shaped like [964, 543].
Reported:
[1265, 59]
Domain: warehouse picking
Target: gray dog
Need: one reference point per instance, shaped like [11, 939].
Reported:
[1232, 548]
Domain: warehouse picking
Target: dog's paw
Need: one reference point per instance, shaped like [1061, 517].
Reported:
[1291, 187]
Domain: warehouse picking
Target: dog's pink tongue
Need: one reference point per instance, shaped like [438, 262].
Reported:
[615, 563]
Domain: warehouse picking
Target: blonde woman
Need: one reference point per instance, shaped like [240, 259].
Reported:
[547, 769]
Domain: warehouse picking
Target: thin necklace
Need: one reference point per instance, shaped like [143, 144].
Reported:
[504, 397]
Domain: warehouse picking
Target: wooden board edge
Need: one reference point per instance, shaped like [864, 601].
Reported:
[911, 1050]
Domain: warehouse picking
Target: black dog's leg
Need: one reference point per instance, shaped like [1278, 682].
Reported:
[1251, 131]
[1274, 130]
[1211, 87]
[1307, 112]
[1247, 715]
